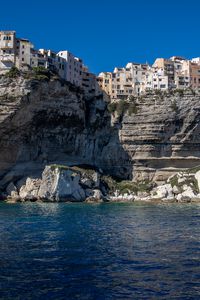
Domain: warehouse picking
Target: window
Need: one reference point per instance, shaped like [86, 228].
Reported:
[22, 59]
[162, 86]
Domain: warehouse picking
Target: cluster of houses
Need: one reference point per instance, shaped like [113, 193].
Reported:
[132, 80]
[164, 74]
[20, 53]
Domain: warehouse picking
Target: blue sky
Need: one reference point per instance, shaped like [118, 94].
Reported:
[108, 33]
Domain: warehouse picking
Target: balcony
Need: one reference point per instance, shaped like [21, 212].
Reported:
[7, 58]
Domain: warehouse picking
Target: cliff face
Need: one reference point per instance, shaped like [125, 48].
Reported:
[164, 135]
[44, 122]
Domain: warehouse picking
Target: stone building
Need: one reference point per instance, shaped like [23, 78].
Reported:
[23, 53]
[7, 50]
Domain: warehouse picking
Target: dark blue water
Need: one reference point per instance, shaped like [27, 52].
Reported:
[107, 251]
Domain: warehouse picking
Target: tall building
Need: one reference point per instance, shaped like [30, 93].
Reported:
[7, 50]
[73, 67]
[106, 82]
[136, 74]
[165, 67]
[23, 53]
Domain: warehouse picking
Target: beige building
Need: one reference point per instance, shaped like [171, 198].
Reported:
[7, 50]
[122, 84]
[106, 82]
[187, 73]
[194, 76]
[14, 51]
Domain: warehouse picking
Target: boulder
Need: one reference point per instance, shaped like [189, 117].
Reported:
[29, 191]
[175, 190]
[97, 197]
[142, 194]
[162, 191]
[187, 195]
[183, 199]
[61, 184]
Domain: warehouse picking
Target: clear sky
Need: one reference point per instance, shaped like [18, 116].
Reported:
[108, 33]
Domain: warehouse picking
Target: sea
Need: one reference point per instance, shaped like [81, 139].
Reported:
[99, 251]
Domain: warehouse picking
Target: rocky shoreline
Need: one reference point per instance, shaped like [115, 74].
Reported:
[60, 183]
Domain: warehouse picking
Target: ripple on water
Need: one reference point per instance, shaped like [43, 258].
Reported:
[119, 251]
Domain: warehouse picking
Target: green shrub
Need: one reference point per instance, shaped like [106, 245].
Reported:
[123, 106]
[112, 107]
[12, 73]
[41, 77]
[41, 73]
[174, 181]
[132, 109]
[179, 91]
[126, 186]
[40, 70]
[158, 92]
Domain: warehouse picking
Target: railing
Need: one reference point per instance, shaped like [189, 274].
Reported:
[7, 58]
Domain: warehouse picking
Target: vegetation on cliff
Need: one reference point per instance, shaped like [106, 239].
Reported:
[123, 106]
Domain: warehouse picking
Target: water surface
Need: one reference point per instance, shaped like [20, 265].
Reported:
[106, 251]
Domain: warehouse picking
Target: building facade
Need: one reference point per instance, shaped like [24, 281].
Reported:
[7, 50]
[74, 67]
[134, 79]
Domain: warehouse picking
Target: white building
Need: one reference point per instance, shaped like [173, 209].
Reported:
[52, 62]
[73, 67]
